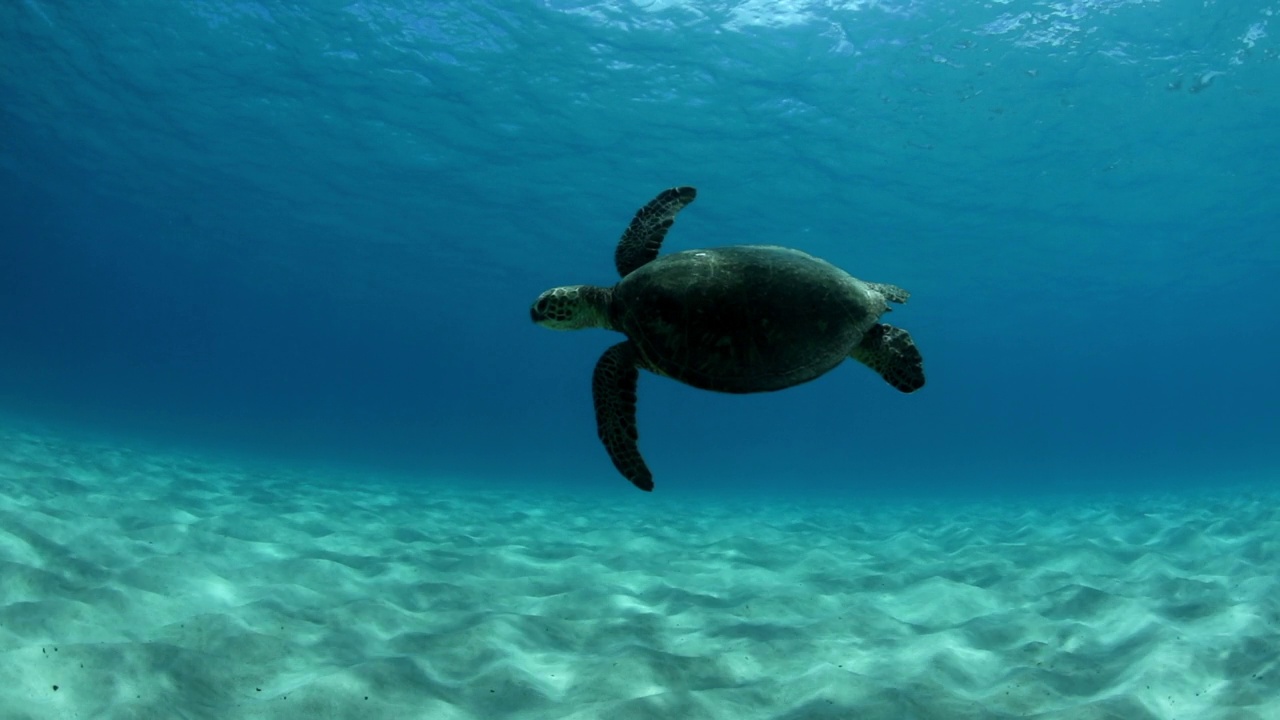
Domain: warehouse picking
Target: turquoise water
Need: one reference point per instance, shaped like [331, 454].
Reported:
[312, 232]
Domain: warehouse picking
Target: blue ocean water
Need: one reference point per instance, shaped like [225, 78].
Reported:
[312, 232]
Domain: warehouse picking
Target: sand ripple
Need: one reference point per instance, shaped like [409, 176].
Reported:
[144, 586]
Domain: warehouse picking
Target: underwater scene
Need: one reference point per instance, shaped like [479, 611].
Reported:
[640, 359]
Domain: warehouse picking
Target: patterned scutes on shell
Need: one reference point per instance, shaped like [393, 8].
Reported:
[745, 318]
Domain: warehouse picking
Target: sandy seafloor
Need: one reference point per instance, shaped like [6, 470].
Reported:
[136, 585]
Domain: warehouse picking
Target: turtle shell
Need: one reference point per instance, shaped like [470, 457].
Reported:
[743, 319]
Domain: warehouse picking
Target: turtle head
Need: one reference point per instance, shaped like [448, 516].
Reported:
[573, 307]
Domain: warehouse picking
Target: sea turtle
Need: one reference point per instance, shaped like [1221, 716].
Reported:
[738, 319]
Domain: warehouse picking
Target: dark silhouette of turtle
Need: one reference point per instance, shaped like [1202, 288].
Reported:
[738, 319]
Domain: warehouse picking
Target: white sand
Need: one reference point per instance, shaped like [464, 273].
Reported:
[144, 586]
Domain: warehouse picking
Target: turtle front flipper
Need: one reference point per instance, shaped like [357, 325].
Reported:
[643, 237]
[892, 353]
[613, 387]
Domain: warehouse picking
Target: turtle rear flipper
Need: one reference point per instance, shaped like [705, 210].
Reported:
[892, 353]
[643, 237]
[613, 386]
[892, 293]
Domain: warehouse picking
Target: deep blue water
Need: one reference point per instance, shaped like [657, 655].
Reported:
[312, 231]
